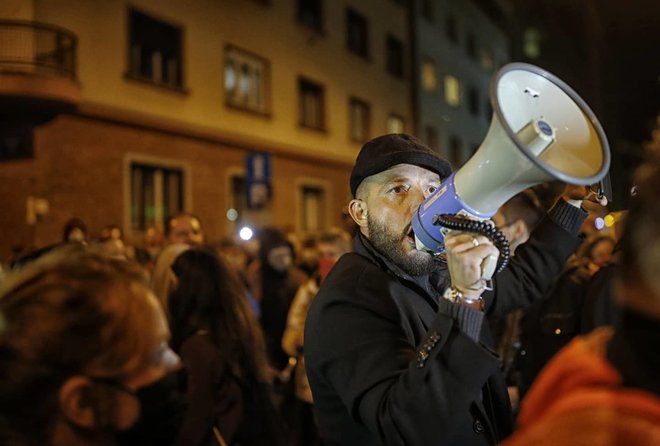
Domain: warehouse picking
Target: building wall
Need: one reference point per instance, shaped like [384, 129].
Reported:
[451, 58]
[79, 163]
[80, 168]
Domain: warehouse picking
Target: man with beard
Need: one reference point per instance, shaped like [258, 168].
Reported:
[394, 341]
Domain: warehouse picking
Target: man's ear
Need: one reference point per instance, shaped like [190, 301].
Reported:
[520, 230]
[77, 402]
[358, 211]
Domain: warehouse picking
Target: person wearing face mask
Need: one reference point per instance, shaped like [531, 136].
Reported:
[84, 358]
[331, 246]
[273, 282]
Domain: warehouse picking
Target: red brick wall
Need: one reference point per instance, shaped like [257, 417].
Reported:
[78, 166]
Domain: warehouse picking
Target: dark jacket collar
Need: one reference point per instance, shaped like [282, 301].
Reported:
[432, 285]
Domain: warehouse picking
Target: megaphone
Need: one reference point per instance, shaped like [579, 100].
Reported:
[541, 130]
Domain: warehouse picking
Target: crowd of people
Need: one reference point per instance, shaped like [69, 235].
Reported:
[341, 339]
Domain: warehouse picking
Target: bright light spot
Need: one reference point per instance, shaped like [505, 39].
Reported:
[245, 233]
[609, 220]
[232, 214]
[599, 223]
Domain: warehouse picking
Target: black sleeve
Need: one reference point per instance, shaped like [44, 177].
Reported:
[537, 262]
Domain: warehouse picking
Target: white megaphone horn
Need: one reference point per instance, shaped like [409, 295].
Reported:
[541, 131]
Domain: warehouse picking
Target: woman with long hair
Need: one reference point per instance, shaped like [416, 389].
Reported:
[222, 349]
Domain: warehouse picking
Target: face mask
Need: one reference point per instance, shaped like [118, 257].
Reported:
[325, 265]
[280, 259]
[162, 408]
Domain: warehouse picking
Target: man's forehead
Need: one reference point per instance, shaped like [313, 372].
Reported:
[406, 170]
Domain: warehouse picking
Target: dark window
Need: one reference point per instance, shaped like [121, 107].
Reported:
[357, 33]
[452, 28]
[310, 13]
[431, 134]
[155, 50]
[473, 101]
[237, 200]
[489, 110]
[312, 104]
[359, 119]
[16, 142]
[427, 10]
[471, 45]
[394, 56]
[455, 151]
[156, 193]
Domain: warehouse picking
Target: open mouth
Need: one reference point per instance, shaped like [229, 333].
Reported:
[410, 235]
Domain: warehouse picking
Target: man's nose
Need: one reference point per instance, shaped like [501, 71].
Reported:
[417, 196]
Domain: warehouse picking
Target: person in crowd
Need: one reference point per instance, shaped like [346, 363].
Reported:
[75, 230]
[162, 279]
[111, 242]
[184, 228]
[516, 219]
[222, 349]
[235, 255]
[307, 257]
[273, 283]
[331, 246]
[603, 389]
[550, 324]
[392, 339]
[84, 358]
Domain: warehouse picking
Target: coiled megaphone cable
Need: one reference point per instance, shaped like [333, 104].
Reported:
[485, 228]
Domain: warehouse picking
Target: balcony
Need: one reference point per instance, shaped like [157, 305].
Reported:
[37, 73]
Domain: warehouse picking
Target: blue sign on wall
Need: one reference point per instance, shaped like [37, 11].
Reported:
[258, 180]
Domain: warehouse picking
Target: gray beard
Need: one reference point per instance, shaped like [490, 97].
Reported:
[389, 244]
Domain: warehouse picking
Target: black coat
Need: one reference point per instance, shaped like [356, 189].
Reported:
[388, 365]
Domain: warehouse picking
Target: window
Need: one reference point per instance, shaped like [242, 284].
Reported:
[431, 135]
[395, 124]
[357, 34]
[312, 212]
[532, 43]
[452, 90]
[451, 28]
[489, 110]
[359, 117]
[312, 104]
[155, 50]
[429, 76]
[487, 59]
[394, 56]
[16, 142]
[427, 10]
[246, 80]
[310, 13]
[471, 45]
[473, 101]
[455, 151]
[156, 193]
[237, 199]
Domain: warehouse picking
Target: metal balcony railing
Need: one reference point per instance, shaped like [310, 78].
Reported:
[39, 48]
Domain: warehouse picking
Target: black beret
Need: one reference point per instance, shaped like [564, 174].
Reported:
[386, 151]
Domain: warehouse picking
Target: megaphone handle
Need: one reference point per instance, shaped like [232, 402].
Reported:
[465, 224]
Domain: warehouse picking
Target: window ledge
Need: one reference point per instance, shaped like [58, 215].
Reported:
[263, 114]
[144, 80]
[316, 129]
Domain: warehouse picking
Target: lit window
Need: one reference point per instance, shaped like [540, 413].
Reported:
[429, 76]
[246, 80]
[156, 194]
[312, 104]
[395, 124]
[359, 116]
[155, 50]
[452, 90]
[532, 43]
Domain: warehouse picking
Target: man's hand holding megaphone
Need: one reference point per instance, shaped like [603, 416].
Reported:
[471, 257]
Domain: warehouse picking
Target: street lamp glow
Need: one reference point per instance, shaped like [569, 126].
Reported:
[232, 214]
[245, 233]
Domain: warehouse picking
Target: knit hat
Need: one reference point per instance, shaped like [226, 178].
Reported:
[386, 151]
